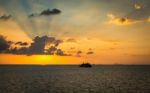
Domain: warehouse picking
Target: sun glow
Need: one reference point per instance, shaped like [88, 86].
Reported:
[38, 59]
[43, 58]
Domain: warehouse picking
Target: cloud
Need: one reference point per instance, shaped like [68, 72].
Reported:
[51, 50]
[120, 21]
[40, 46]
[4, 44]
[59, 52]
[138, 6]
[5, 17]
[79, 52]
[89, 53]
[21, 43]
[19, 51]
[47, 12]
[50, 12]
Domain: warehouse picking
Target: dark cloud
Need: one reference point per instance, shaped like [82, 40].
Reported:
[36, 47]
[5, 17]
[59, 52]
[4, 44]
[79, 52]
[50, 12]
[57, 42]
[39, 43]
[19, 51]
[51, 50]
[122, 20]
[89, 53]
[10, 42]
[21, 43]
[47, 12]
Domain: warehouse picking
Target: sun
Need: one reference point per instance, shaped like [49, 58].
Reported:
[42, 59]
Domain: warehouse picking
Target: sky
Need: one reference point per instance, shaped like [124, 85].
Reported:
[74, 31]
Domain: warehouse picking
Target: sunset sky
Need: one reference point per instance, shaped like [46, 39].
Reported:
[73, 31]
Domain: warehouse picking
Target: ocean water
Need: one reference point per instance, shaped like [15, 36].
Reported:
[73, 79]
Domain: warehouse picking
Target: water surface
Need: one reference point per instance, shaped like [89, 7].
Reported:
[73, 79]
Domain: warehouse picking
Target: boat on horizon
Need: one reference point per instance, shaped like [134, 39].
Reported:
[86, 65]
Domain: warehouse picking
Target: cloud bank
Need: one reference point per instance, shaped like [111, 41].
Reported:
[40, 46]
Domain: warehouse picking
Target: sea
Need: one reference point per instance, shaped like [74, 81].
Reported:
[74, 79]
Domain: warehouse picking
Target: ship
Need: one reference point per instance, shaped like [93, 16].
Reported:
[86, 65]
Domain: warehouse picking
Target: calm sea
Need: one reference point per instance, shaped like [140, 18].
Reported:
[73, 79]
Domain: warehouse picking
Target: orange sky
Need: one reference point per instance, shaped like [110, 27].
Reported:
[116, 33]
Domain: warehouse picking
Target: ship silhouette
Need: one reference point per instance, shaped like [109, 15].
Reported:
[86, 65]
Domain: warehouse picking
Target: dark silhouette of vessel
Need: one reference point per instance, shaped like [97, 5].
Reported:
[86, 65]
